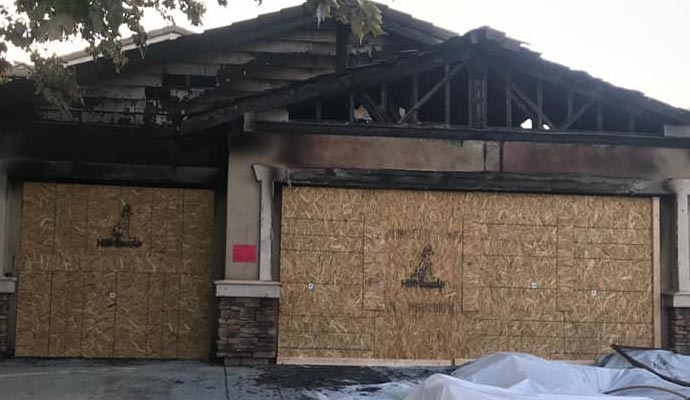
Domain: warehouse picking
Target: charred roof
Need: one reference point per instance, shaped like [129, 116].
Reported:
[496, 50]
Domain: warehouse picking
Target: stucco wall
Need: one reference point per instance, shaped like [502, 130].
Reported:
[597, 160]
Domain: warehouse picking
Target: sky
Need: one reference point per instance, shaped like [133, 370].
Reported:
[637, 44]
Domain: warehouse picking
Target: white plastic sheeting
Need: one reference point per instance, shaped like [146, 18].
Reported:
[515, 376]
[444, 387]
[664, 362]
[528, 374]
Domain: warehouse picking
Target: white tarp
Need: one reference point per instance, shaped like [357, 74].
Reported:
[515, 376]
[664, 362]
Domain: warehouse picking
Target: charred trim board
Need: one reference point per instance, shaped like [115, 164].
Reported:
[472, 181]
[114, 174]
[466, 133]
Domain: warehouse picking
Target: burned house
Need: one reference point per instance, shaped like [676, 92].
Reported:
[276, 191]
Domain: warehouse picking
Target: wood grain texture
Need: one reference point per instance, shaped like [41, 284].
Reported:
[66, 311]
[77, 299]
[154, 319]
[98, 333]
[130, 328]
[33, 314]
[38, 211]
[170, 316]
[196, 292]
[557, 276]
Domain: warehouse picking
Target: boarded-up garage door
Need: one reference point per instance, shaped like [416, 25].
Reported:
[114, 272]
[435, 275]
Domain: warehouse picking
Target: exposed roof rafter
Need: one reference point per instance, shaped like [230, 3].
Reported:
[387, 71]
[493, 48]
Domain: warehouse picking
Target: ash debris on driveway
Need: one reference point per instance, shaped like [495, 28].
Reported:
[336, 378]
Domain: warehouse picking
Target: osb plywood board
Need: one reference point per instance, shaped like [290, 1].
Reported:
[194, 319]
[98, 331]
[130, 338]
[33, 314]
[444, 275]
[147, 296]
[66, 313]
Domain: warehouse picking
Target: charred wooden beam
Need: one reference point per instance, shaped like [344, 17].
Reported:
[217, 40]
[464, 133]
[539, 114]
[377, 113]
[109, 144]
[473, 181]
[600, 117]
[249, 121]
[632, 122]
[477, 102]
[384, 97]
[447, 93]
[393, 109]
[414, 99]
[342, 51]
[540, 106]
[88, 172]
[318, 110]
[584, 86]
[351, 107]
[523, 100]
[333, 85]
[509, 101]
[430, 94]
[580, 112]
[401, 26]
[523, 106]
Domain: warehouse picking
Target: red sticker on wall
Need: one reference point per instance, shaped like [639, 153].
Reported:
[244, 253]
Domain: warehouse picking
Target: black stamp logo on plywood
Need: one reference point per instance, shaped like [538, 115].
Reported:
[120, 237]
[423, 277]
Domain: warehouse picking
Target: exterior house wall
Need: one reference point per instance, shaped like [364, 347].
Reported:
[149, 98]
[286, 152]
[597, 160]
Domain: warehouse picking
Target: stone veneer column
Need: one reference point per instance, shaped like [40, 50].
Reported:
[248, 310]
[678, 303]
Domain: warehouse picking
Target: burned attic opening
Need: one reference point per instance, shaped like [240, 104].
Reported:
[485, 94]
[424, 96]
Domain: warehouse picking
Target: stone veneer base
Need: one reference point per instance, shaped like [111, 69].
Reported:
[5, 324]
[679, 329]
[247, 330]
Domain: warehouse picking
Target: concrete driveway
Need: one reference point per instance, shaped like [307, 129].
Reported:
[181, 380]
